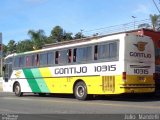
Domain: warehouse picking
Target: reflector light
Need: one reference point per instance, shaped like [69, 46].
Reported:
[124, 76]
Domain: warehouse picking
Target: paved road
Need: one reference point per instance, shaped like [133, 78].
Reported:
[67, 104]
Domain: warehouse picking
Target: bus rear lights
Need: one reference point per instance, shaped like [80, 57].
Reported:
[124, 76]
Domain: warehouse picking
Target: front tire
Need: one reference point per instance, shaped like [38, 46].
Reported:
[80, 91]
[17, 90]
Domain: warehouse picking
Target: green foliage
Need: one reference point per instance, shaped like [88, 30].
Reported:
[49, 40]
[11, 47]
[67, 36]
[79, 35]
[155, 20]
[4, 50]
[155, 23]
[59, 35]
[38, 38]
[24, 46]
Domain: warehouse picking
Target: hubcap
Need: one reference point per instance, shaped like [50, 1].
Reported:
[17, 89]
[80, 91]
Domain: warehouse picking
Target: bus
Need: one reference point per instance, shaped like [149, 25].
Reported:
[121, 63]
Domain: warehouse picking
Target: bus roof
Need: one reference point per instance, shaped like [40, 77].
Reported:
[76, 42]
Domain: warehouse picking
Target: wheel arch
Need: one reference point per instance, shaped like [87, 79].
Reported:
[16, 82]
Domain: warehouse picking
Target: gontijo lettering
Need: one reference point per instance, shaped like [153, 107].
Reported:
[84, 69]
[141, 55]
[71, 70]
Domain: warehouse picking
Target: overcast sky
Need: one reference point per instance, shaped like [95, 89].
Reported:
[19, 16]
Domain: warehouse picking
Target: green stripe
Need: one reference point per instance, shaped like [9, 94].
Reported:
[32, 82]
[41, 83]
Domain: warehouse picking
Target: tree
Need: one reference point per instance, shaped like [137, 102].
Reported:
[67, 36]
[38, 38]
[11, 47]
[57, 34]
[25, 45]
[4, 47]
[155, 20]
[49, 40]
[79, 35]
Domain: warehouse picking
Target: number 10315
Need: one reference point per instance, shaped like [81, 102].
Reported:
[141, 71]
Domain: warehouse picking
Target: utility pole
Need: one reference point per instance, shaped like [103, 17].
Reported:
[134, 21]
[1, 55]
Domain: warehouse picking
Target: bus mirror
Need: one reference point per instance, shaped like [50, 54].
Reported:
[4, 67]
[6, 79]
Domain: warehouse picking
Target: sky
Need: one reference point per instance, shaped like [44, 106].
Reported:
[19, 16]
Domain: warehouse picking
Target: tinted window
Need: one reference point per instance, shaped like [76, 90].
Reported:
[16, 62]
[103, 51]
[21, 61]
[84, 54]
[106, 51]
[113, 50]
[63, 57]
[28, 61]
[9, 60]
[35, 60]
[43, 59]
[50, 57]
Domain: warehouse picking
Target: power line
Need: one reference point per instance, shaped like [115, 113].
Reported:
[156, 6]
[120, 27]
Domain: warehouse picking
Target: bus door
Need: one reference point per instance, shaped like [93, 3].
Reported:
[7, 71]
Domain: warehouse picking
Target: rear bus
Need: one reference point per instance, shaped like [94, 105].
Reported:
[139, 65]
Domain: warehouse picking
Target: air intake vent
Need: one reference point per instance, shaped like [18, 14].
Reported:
[108, 83]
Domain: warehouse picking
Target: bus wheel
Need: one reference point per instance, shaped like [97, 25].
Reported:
[80, 91]
[17, 90]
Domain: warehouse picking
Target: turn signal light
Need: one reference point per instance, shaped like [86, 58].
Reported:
[124, 76]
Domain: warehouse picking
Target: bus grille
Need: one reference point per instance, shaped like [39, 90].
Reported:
[108, 83]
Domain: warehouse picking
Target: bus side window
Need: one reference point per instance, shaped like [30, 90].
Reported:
[56, 57]
[43, 59]
[74, 54]
[50, 58]
[95, 52]
[16, 62]
[22, 61]
[69, 55]
[28, 61]
[35, 60]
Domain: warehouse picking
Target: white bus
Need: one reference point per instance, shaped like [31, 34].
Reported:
[112, 64]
